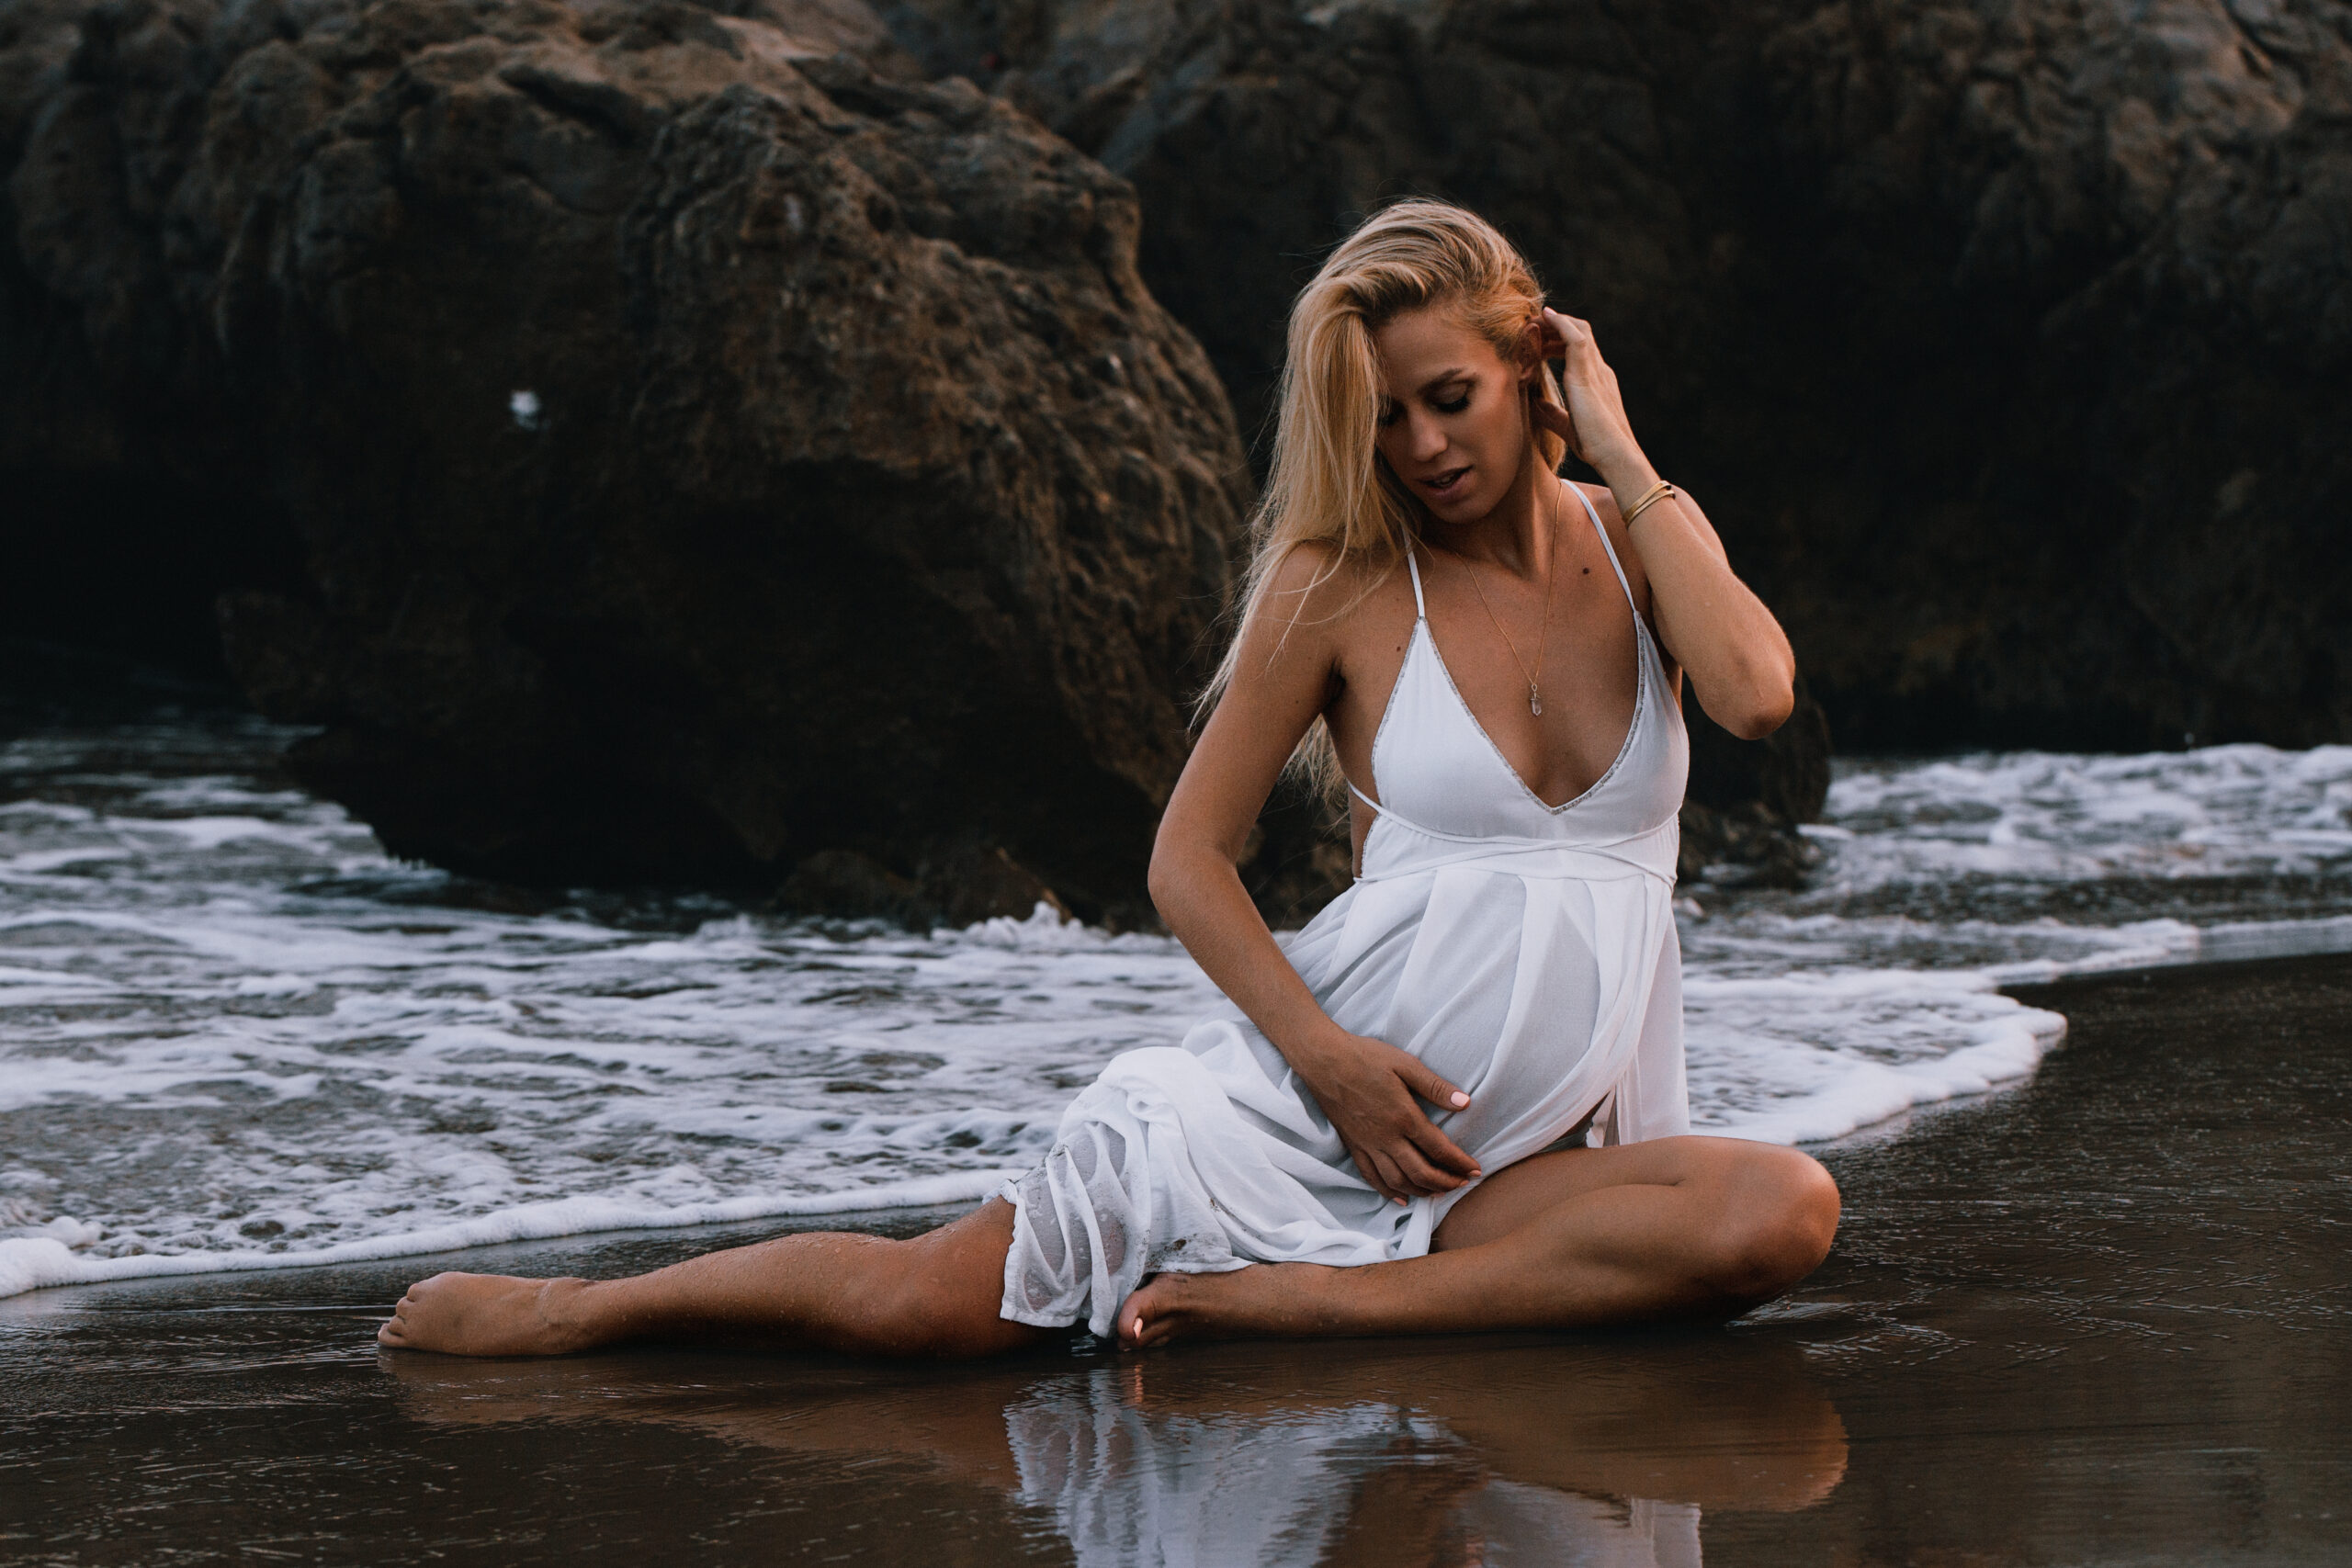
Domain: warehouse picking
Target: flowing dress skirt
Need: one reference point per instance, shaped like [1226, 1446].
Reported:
[1540, 976]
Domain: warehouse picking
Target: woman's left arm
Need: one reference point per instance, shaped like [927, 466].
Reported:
[1729, 643]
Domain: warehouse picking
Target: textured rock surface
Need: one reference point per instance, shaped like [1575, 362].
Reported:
[709, 445]
[1746, 798]
[671, 440]
[2010, 341]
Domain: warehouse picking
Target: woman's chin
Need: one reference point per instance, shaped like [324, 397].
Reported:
[1454, 510]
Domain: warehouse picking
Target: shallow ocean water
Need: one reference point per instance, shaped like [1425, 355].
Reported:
[234, 1034]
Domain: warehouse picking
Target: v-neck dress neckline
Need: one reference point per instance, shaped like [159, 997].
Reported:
[1421, 647]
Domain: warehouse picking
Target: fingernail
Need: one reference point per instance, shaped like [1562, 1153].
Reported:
[1460, 1099]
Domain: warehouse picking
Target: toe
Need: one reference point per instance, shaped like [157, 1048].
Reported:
[1148, 1317]
[1136, 1317]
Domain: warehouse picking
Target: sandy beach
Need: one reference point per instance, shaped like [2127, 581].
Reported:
[2096, 1319]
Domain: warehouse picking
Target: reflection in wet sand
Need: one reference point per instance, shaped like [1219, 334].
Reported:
[1468, 1452]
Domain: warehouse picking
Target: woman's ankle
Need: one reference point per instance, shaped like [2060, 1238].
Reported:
[584, 1314]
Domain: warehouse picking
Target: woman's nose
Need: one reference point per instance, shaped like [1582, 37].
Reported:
[1425, 438]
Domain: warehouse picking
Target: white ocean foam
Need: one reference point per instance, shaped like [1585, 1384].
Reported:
[233, 1034]
[38, 1261]
[1805, 1057]
[2221, 810]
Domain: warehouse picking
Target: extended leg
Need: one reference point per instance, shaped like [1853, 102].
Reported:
[1680, 1228]
[934, 1295]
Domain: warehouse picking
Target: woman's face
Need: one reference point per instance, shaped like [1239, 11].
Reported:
[1454, 420]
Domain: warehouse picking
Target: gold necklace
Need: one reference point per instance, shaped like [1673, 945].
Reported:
[1551, 565]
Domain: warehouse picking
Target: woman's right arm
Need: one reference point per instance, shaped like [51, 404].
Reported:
[1288, 673]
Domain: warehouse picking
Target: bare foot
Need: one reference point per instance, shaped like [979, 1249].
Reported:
[1259, 1301]
[489, 1315]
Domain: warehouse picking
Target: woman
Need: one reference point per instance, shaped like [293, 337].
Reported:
[1491, 657]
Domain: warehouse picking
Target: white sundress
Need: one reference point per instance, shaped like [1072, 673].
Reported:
[1527, 953]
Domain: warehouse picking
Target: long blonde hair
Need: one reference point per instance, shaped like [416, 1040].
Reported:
[1328, 484]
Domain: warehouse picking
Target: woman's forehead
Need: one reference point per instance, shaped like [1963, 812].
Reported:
[1423, 348]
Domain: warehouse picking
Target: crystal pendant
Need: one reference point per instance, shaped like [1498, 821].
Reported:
[1534, 700]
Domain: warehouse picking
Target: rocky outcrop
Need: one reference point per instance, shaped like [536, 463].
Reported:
[2008, 340]
[711, 452]
[1746, 798]
[710, 441]
[2085, 283]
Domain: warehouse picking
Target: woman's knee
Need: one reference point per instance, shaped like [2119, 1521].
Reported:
[1778, 1218]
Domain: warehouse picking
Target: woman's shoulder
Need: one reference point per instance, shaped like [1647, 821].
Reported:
[1603, 502]
[1326, 606]
[1321, 583]
[1602, 497]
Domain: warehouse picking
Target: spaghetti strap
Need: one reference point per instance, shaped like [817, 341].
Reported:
[1420, 610]
[1613, 563]
[1361, 796]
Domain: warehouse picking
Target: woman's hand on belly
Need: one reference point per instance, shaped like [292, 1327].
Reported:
[1371, 1092]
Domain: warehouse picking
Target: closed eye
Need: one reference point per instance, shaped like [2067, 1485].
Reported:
[1456, 406]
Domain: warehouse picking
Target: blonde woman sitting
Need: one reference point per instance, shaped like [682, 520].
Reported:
[1455, 1100]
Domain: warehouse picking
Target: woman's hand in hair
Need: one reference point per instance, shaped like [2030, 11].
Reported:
[1594, 422]
[1371, 1091]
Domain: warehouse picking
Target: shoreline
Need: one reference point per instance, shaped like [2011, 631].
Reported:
[51, 1265]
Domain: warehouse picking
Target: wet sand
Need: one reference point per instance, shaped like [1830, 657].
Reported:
[2097, 1318]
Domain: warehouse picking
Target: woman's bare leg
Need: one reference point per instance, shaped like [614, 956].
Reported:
[1677, 1228]
[934, 1295]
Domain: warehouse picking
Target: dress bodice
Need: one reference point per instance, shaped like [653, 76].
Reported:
[1443, 781]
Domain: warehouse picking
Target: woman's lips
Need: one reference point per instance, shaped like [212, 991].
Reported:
[1446, 483]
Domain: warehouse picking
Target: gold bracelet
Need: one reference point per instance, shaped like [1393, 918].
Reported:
[1649, 497]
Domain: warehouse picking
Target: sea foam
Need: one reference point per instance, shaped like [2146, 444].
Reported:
[234, 1034]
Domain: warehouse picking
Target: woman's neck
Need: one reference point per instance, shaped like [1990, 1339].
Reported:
[1517, 535]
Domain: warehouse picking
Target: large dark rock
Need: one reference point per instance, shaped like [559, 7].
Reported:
[712, 451]
[2008, 341]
